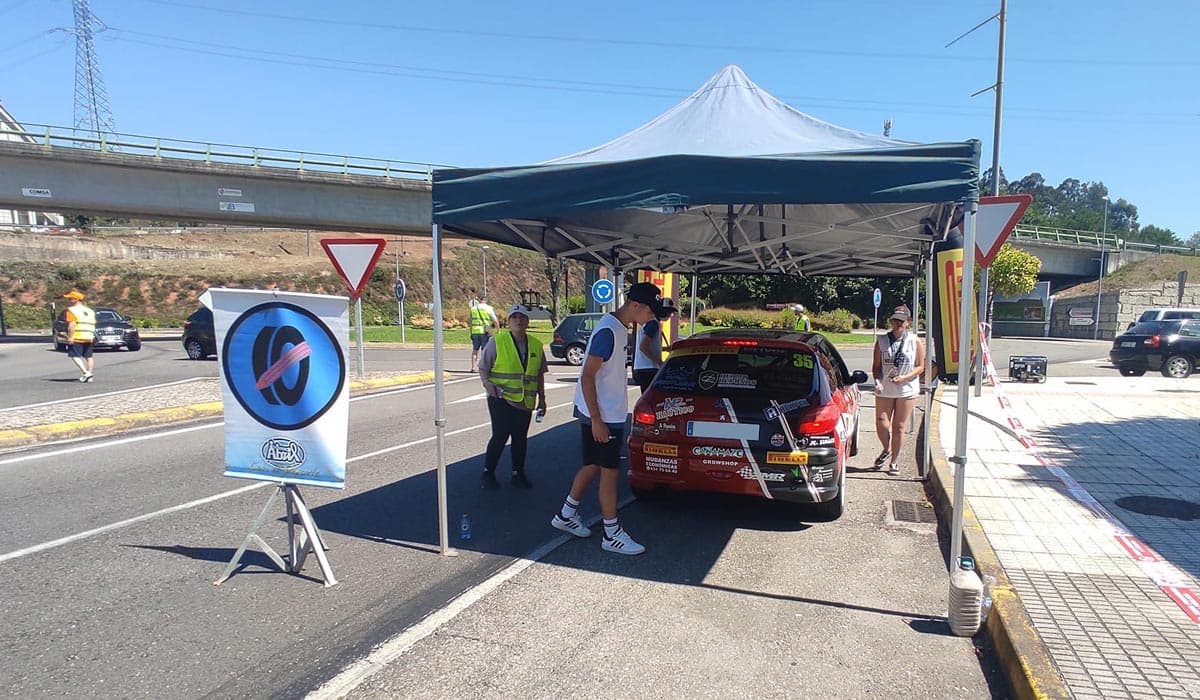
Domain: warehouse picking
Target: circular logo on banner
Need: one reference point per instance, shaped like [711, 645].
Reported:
[603, 291]
[283, 365]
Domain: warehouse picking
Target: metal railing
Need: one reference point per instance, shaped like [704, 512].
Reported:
[1093, 239]
[209, 152]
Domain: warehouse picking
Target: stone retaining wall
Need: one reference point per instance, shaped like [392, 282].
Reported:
[1118, 309]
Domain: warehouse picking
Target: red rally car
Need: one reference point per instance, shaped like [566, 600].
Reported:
[769, 413]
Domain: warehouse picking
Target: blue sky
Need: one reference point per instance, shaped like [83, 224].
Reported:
[1099, 91]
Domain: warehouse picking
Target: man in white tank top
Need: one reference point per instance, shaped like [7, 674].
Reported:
[897, 365]
[601, 404]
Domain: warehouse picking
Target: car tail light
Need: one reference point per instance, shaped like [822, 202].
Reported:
[819, 421]
[1153, 341]
[643, 415]
[558, 337]
[741, 343]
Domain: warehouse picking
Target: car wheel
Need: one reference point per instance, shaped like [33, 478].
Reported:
[574, 355]
[134, 345]
[1131, 372]
[1177, 367]
[194, 349]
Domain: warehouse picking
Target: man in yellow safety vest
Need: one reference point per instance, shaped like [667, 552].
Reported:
[81, 331]
[483, 324]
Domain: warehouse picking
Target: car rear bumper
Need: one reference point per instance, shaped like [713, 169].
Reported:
[1122, 357]
[780, 482]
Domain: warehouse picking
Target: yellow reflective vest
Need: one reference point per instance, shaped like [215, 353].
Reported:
[85, 323]
[802, 323]
[519, 383]
[481, 320]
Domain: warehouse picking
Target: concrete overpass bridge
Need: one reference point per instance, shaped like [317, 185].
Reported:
[143, 177]
[130, 176]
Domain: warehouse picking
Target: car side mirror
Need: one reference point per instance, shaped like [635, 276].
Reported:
[859, 377]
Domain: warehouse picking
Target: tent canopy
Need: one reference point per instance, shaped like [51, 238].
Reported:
[729, 180]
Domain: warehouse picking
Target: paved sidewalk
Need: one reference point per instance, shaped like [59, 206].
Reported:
[1076, 612]
[133, 409]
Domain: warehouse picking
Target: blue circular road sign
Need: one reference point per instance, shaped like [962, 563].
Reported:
[283, 364]
[401, 290]
[604, 291]
[877, 297]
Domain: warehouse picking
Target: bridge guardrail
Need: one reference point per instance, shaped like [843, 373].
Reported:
[208, 152]
[1093, 239]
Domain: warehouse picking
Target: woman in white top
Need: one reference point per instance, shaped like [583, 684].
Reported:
[897, 365]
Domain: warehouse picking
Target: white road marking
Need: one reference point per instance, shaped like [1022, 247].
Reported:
[97, 396]
[481, 395]
[209, 499]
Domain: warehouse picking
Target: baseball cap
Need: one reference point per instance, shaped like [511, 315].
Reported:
[668, 308]
[518, 309]
[901, 313]
[73, 294]
[648, 294]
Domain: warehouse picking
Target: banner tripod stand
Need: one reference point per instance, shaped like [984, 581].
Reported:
[299, 544]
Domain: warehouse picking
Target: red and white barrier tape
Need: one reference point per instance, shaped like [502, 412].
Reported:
[1165, 575]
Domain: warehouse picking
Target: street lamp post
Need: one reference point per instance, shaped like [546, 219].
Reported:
[1100, 282]
[485, 250]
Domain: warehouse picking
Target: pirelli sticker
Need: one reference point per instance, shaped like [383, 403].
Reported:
[797, 457]
[705, 350]
[654, 448]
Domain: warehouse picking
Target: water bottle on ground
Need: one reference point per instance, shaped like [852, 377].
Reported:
[989, 582]
[464, 528]
[966, 598]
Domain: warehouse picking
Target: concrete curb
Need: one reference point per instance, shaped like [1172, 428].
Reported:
[1022, 654]
[125, 422]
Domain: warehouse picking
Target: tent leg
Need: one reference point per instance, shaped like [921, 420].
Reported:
[927, 457]
[694, 276]
[964, 381]
[439, 398]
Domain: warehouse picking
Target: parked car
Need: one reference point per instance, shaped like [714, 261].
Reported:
[1165, 315]
[766, 413]
[1170, 347]
[199, 334]
[571, 338]
[113, 331]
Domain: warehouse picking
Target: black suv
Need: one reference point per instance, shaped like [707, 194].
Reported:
[1171, 347]
[113, 331]
[199, 334]
[571, 337]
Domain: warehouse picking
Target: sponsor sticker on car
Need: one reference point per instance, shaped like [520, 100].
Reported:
[787, 457]
[655, 448]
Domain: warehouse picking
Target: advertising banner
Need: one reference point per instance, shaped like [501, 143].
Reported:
[947, 284]
[283, 382]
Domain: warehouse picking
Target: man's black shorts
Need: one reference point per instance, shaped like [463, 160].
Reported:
[478, 340]
[607, 455]
[83, 350]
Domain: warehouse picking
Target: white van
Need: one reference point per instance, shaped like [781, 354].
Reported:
[1166, 315]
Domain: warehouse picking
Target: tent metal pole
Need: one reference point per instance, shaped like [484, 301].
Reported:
[927, 458]
[964, 379]
[439, 398]
[693, 304]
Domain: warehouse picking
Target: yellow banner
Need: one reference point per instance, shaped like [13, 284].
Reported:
[948, 266]
[668, 283]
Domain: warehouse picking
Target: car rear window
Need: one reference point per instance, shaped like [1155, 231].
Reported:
[108, 317]
[768, 373]
[1154, 328]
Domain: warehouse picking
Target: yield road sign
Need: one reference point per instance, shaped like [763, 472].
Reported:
[995, 220]
[354, 258]
[603, 291]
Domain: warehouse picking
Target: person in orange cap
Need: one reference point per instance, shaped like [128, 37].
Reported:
[81, 331]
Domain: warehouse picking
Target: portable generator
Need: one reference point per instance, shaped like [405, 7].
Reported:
[1027, 368]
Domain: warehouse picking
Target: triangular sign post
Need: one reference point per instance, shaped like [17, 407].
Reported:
[996, 219]
[354, 258]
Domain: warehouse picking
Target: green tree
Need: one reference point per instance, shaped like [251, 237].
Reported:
[1154, 234]
[1013, 272]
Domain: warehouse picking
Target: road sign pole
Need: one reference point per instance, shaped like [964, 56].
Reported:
[983, 301]
[359, 336]
[402, 340]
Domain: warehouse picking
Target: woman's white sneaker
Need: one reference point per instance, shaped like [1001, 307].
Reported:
[621, 543]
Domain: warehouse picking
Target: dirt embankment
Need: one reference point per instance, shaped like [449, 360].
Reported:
[156, 276]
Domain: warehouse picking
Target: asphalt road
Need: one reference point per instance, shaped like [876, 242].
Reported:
[109, 548]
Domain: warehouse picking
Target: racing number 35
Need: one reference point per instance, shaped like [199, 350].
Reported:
[802, 361]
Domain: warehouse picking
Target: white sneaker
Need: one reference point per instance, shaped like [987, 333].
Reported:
[621, 543]
[572, 525]
[894, 470]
